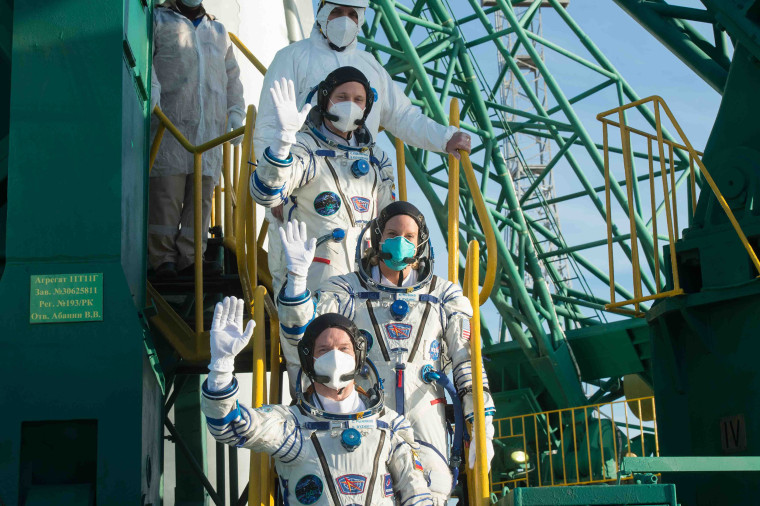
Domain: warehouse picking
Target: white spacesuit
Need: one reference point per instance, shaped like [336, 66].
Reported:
[333, 44]
[332, 184]
[417, 324]
[327, 451]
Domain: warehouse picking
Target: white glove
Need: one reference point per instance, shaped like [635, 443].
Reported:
[227, 339]
[289, 119]
[489, 444]
[299, 253]
[235, 121]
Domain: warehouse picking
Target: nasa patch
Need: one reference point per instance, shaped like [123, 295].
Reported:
[360, 204]
[387, 485]
[398, 331]
[374, 92]
[351, 484]
[435, 350]
[309, 489]
[266, 408]
[327, 203]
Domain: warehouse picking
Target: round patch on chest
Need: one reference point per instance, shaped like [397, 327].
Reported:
[309, 489]
[327, 203]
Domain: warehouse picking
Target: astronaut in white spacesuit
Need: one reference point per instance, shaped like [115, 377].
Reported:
[333, 43]
[332, 175]
[338, 445]
[414, 321]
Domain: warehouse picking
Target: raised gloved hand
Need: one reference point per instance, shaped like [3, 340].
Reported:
[459, 140]
[489, 444]
[299, 254]
[227, 339]
[235, 121]
[289, 118]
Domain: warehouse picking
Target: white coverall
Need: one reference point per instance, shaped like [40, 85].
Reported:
[197, 85]
[313, 467]
[436, 330]
[307, 62]
[320, 191]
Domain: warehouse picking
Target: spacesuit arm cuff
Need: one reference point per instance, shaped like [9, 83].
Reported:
[295, 300]
[450, 131]
[487, 411]
[271, 157]
[224, 393]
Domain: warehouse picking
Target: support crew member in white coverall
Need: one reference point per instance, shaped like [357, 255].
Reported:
[332, 174]
[196, 82]
[338, 445]
[416, 322]
[333, 44]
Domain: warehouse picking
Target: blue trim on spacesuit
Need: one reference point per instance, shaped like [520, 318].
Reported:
[269, 157]
[294, 331]
[222, 394]
[263, 188]
[228, 418]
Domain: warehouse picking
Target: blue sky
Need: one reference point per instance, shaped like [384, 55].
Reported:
[646, 65]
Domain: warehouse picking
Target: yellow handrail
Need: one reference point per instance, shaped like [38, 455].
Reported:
[241, 210]
[247, 53]
[569, 459]
[481, 494]
[401, 169]
[483, 215]
[259, 468]
[453, 201]
[669, 198]
[197, 151]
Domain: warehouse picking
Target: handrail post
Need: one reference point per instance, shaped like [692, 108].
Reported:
[453, 201]
[228, 189]
[258, 488]
[482, 487]
[243, 199]
[401, 169]
[156, 144]
[198, 238]
[274, 382]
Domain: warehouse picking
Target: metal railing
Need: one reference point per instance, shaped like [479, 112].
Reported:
[478, 477]
[573, 446]
[668, 198]
[482, 213]
[199, 349]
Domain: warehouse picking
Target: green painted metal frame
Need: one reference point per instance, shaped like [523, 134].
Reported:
[422, 44]
[689, 464]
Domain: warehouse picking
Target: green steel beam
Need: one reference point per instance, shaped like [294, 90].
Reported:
[680, 38]
[421, 44]
[690, 464]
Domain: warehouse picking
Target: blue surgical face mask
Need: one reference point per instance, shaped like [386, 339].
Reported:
[399, 248]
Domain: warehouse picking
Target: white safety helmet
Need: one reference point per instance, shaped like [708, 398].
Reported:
[340, 32]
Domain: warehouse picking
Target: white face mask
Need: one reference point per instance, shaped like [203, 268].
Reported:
[333, 365]
[341, 31]
[347, 112]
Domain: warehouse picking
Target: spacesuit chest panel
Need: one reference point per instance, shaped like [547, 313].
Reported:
[331, 475]
[410, 344]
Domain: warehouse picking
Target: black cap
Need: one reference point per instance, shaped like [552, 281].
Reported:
[319, 325]
[334, 79]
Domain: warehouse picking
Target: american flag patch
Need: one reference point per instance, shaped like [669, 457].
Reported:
[466, 329]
